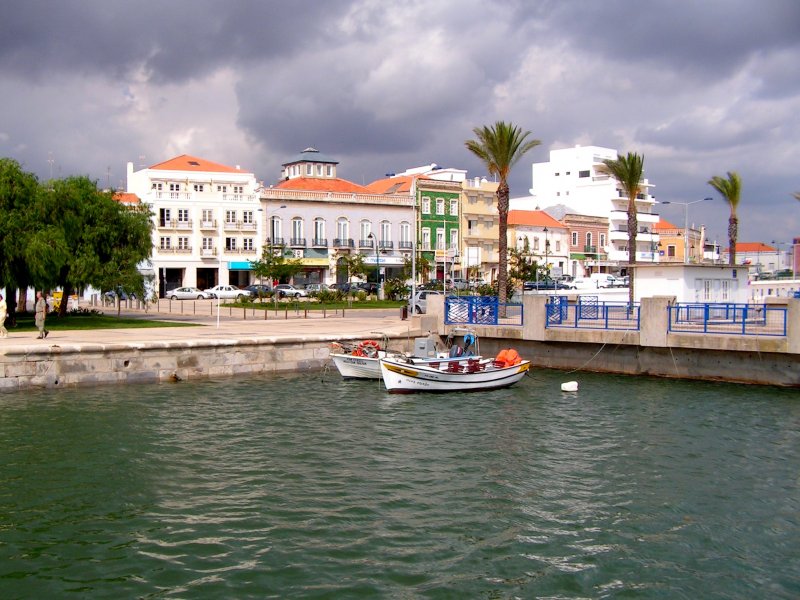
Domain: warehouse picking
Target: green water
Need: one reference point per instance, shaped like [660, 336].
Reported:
[307, 486]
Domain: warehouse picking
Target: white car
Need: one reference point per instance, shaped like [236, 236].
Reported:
[419, 303]
[186, 293]
[228, 292]
[284, 290]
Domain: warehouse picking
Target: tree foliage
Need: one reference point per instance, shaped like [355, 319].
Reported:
[628, 171]
[500, 147]
[730, 189]
[277, 263]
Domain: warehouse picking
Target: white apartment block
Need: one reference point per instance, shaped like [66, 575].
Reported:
[207, 221]
[572, 178]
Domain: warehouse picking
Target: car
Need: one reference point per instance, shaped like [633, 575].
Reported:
[419, 303]
[433, 284]
[543, 285]
[228, 292]
[284, 290]
[186, 293]
[316, 288]
[460, 284]
[259, 289]
[111, 295]
[368, 287]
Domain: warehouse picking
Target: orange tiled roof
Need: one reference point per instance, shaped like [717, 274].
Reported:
[184, 162]
[314, 184]
[537, 218]
[126, 198]
[752, 247]
[663, 224]
[394, 185]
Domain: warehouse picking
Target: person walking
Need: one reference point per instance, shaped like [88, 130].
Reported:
[3, 315]
[41, 314]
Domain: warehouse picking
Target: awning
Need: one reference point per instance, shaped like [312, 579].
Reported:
[315, 262]
[576, 256]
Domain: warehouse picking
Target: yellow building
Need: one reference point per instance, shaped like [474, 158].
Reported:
[480, 226]
[674, 243]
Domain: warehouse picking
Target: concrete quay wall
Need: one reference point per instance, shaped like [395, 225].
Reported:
[652, 350]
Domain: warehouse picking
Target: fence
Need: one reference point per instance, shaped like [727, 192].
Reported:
[740, 319]
[481, 310]
[590, 313]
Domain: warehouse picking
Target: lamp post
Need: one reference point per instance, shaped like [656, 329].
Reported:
[686, 224]
[371, 236]
[546, 251]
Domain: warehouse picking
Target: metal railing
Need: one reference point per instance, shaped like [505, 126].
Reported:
[589, 313]
[481, 310]
[728, 318]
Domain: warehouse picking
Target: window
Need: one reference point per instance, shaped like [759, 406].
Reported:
[308, 169]
[329, 170]
[183, 243]
[454, 207]
[230, 216]
[238, 189]
[583, 173]
[208, 243]
[247, 216]
[164, 217]
[208, 215]
[319, 228]
[275, 229]
[156, 186]
[365, 228]
[536, 244]
[174, 187]
[405, 233]
[588, 238]
[574, 238]
[183, 215]
[165, 243]
[198, 187]
[426, 238]
[454, 239]
[671, 250]
[230, 244]
[426, 205]
[386, 231]
[558, 242]
[440, 206]
[440, 238]
[247, 244]
[602, 239]
[319, 170]
[222, 188]
[342, 228]
[297, 228]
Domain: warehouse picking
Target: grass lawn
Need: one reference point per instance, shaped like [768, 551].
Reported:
[313, 305]
[94, 321]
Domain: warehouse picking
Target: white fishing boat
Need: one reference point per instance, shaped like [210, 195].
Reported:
[362, 360]
[472, 374]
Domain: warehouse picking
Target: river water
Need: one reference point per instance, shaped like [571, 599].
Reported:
[307, 486]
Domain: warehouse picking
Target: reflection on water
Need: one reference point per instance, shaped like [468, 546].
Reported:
[307, 485]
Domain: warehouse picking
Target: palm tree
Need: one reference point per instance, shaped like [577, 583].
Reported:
[730, 189]
[797, 195]
[628, 171]
[500, 147]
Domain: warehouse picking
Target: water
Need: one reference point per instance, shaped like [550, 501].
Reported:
[309, 486]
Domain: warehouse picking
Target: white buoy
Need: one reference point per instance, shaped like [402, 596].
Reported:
[569, 386]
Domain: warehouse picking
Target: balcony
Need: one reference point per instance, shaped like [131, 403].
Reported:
[320, 242]
[365, 243]
[278, 241]
[208, 252]
[184, 225]
[297, 242]
[406, 245]
[208, 224]
[183, 250]
[385, 245]
[233, 225]
[343, 243]
[249, 226]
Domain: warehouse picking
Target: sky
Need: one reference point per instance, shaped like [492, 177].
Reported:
[698, 88]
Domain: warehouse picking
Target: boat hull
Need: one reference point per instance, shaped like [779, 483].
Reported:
[400, 378]
[357, 367]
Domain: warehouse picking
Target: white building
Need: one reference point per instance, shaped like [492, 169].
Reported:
[573, 178]
[206, 220]
[692, 282]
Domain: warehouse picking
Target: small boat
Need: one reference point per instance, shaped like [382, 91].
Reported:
[362, 360]
[472, 374]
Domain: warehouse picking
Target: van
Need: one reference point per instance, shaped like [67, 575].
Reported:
[603, 280]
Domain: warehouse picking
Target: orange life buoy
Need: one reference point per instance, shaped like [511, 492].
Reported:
[369, 348]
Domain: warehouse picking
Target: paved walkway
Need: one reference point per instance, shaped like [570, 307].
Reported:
[356, 323]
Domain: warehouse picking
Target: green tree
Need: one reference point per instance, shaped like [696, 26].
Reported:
[628, 171]
[276, 263]
[500, 147]
[18, 193]
[354, 266]
[522, 268]
[730, 189]
[796, 195]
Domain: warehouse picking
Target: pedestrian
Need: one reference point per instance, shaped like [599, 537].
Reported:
[41, 314]
[3, 315]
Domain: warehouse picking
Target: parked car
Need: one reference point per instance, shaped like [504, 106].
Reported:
[228, 292]
[186, 293]
[284, 290]
[316, 288]
[111, 295]
[259, 289]
[368, 287]
[624, 281]
[543, 285]
[419, 303]
[433, 284]
[460, 284]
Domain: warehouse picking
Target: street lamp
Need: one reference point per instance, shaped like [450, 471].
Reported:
[686, 224]
[546, 251]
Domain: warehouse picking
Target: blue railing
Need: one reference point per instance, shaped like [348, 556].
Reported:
[740, 319]
[481, 310]
[589, 313]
